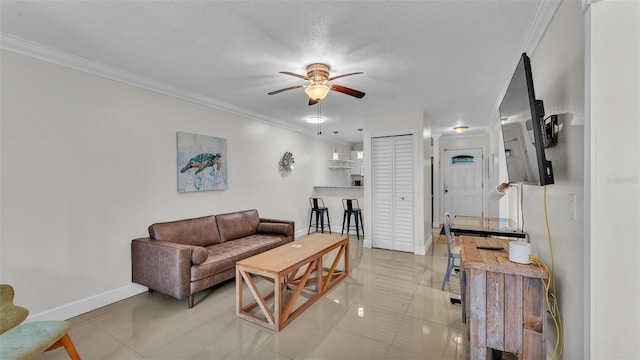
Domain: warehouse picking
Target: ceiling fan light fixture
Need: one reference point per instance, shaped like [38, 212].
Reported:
[317, 88]
[317, 92]
[461, 129]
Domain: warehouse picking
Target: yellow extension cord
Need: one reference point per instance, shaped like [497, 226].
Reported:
[550, 288]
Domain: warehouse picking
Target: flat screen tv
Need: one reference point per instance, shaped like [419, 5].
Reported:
[523, 132]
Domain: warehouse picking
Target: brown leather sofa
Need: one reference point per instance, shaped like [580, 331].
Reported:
[180, 258]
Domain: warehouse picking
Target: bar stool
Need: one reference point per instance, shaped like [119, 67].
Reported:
[317, 207]
[349, 209]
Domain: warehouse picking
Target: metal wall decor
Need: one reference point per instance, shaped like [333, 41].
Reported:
[285, 165]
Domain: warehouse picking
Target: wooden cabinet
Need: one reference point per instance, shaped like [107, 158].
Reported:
[503, 302]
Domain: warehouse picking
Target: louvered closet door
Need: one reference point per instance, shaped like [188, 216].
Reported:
[381, 192]
[403, 231]
[392, 193]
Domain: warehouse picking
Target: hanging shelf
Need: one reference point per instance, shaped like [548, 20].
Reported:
[339, 164]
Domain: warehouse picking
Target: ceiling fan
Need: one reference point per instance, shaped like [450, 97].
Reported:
[317, 89]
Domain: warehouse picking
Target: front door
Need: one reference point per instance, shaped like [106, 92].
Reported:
[462, 181]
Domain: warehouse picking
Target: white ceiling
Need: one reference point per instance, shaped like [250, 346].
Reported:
[451, 59]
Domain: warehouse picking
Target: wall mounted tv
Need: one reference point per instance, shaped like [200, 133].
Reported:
[522, 120]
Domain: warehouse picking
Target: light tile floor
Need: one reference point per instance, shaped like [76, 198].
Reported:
[390, 307]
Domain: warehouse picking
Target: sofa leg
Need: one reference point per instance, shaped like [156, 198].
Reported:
[190, 301]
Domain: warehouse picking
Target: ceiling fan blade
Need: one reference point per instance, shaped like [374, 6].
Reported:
[285, 89]
[312, 102]
[294, 74]
[341, 76]
[348, 91]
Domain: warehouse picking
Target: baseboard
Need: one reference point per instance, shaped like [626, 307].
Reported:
[436, 224]
[422, 249]
[304, 232]
[80, 307]
[300, 233]
[417, 249]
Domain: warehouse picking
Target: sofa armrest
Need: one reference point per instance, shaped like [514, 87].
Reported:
[275, 226]
[162, 266]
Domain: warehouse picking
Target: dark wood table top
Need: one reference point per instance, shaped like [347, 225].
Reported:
[486, 226]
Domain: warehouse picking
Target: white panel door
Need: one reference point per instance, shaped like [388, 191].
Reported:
[462, 182]
[393, 193]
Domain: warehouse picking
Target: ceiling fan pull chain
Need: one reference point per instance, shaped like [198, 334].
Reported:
[319, 118]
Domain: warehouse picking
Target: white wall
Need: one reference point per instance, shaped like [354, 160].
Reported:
[613, 113]
[586, 70]
[437, 209]
[88, 163]
[427, 153]
[558, 68]
[558, 75]
[497, 174]
[462, 141]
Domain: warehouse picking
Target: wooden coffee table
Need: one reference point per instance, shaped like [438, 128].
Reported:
[294, 269]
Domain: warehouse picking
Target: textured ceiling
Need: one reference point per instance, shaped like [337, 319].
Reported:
[451, 59]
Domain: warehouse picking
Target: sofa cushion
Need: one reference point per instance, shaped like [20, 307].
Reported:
[224, 256]
[201, 231]
[238, 224]
[199, 255]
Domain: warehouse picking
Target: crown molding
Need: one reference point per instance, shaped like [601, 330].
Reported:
[586, 4]
[38, 51]
[542, 17]
[54, 56]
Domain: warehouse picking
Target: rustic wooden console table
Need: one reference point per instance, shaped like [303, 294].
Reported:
[503, 302]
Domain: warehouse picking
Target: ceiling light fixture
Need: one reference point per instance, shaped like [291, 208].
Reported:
[314, 120]
[336, 155]
[461, 129]
[317, 91]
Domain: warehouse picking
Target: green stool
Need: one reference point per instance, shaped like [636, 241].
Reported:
[26, 341]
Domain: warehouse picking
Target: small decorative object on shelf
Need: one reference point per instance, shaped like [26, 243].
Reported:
[285, 165]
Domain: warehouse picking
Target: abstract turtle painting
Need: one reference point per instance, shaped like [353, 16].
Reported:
[202, 162]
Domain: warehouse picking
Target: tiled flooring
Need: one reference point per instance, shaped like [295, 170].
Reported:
[390, 307]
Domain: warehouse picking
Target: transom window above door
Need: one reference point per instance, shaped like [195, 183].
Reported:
[463, 159]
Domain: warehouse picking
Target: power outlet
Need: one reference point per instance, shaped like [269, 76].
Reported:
[572, 206]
